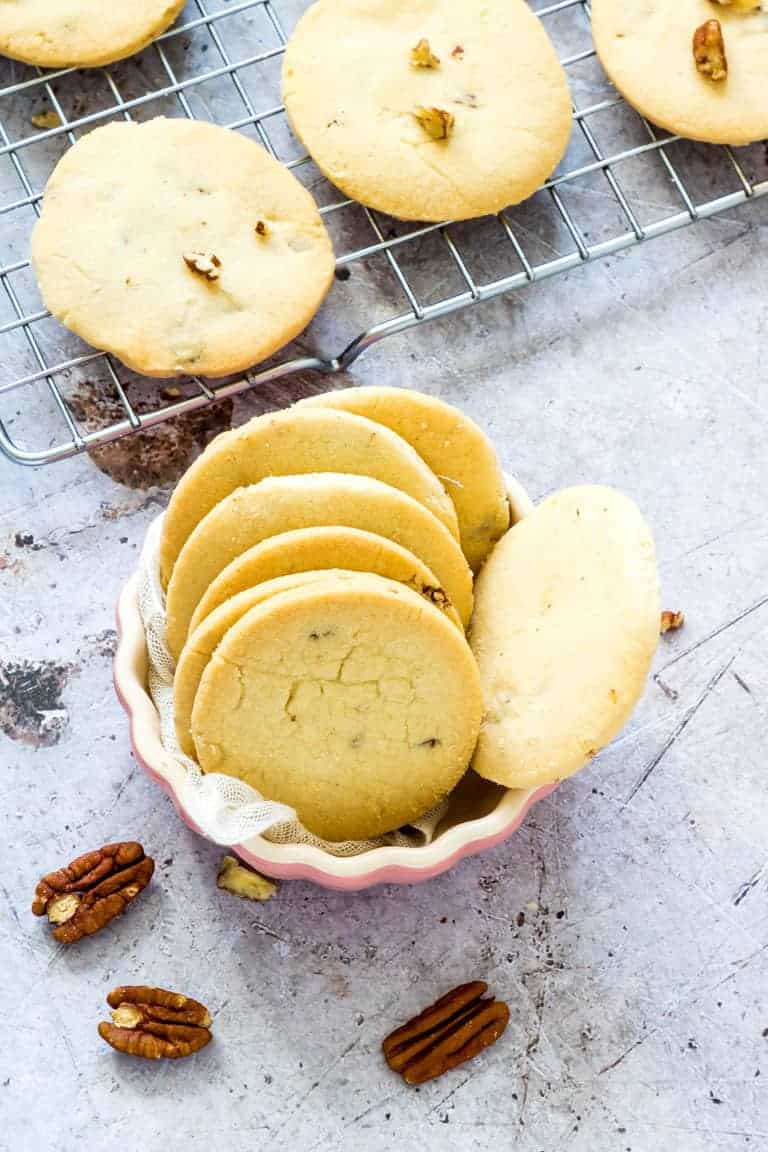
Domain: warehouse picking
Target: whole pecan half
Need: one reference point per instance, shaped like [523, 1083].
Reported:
[155, 1023]
[83, 897]
[452, 1030]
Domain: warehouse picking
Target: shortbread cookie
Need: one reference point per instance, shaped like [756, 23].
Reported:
[565, 627]
[81, 33]
[293, 442]
[357, 703]
[428, 110]
[179, 246]
[646, 47]
[456, 450]
[283, 503]
[309, 549]
[203, 641]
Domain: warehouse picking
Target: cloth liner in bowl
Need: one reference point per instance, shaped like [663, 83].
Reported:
[226, 810]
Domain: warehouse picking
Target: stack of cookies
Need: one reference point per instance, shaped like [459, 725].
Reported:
[319, 566]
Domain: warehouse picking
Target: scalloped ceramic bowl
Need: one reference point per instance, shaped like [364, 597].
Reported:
[480, 814]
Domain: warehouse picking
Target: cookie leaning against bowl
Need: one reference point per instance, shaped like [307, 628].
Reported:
[282, 503]
[429, 111]
[565, 627]
[724, 107]
[357, 703]
[313, 549]
[203, 641]
[293, 442]
[179, 246]
[456, 450]
[81, 33]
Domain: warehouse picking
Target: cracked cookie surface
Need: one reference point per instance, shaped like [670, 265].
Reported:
[124, 209]
[205, 639]
[366, 112]
[358, 703]
[81, 33]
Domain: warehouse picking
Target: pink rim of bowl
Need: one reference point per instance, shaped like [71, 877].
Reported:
[389, 865]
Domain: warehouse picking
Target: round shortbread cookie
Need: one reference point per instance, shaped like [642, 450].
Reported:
[312, 549]
[646, 47]
[456, 450]
[148, 247]
[354, 95]
[565, 627]
[203, 640]
[81, 33]
[293, 442]
[357, 704]
[283, 503]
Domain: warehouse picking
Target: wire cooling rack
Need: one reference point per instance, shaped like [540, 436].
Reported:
[622, 182]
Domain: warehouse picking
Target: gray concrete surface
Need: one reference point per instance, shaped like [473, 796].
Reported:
[626, 923]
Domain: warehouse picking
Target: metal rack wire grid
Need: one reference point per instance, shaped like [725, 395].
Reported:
[621, 182]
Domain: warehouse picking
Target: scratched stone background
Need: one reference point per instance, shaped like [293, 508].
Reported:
[626, 923]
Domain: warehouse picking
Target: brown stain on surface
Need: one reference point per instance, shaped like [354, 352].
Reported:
[155, 456]
[31, 708]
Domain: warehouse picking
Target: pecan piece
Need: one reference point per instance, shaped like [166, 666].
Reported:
[452, 1030]
[240, 881]
[155, 1023]
[205, 264]
[671, 621]
[422, 56]
[709, 51]
[436, 123]
[92, 890]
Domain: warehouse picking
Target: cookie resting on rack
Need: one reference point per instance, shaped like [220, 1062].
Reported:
[81, 33]
[433, 110]
[358, 703]
[180, 247]
[698, 68]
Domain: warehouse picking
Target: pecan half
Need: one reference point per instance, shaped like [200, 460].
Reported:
[205, 264]
[435, 122]
[240, 881]
[452, 1030]
[92, 890]
[709, 51]
[155, 1023]
[671, 621]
